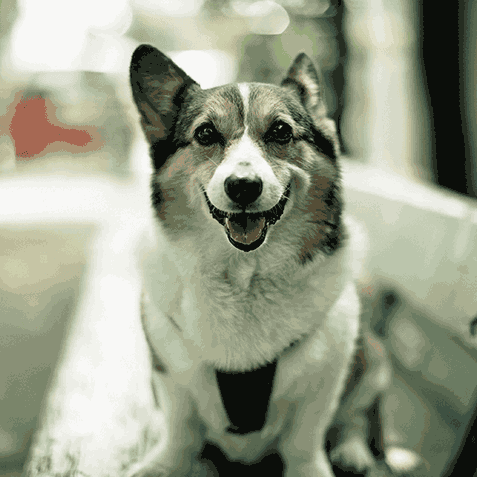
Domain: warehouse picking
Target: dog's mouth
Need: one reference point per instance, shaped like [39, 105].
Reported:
[247, 231]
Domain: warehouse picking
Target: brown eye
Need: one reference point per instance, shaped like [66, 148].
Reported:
[280, 132]
[206, 135]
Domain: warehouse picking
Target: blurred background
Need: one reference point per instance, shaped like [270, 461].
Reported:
[400, 84]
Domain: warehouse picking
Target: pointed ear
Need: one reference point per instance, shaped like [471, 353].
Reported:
[158, 87]
[303, 79]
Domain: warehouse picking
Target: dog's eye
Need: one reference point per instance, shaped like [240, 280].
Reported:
[280, 132]
[207, 135]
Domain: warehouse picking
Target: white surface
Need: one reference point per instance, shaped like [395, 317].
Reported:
[422, 241]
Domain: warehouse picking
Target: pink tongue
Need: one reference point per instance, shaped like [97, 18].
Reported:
[244, 229]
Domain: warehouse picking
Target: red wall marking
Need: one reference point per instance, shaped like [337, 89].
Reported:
[35, 130]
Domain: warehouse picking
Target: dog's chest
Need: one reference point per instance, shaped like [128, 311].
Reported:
[236, 316]
[243, 327]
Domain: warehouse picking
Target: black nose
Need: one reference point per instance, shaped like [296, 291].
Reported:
[243, 190]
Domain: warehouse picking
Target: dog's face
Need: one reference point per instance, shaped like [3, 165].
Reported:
[252, 158]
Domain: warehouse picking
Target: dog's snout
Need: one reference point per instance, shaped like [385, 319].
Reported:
[243, 190]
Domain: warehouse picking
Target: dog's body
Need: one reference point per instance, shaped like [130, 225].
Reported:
[249, 292]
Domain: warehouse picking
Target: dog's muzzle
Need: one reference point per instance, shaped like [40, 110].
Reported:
[247, 231]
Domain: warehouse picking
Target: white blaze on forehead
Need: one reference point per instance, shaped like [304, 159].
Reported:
[244, 90]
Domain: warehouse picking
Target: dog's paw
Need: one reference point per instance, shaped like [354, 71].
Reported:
[353, 453]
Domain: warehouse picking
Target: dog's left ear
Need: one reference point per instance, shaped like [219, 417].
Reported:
[304, 80]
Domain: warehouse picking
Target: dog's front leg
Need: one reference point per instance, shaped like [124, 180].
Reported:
[303, 445]
[180, 442]
[303, 448]
[327, 357]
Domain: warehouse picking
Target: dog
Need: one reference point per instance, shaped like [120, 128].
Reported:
[249, 304]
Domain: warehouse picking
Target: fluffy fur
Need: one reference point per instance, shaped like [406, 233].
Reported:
[252, 264]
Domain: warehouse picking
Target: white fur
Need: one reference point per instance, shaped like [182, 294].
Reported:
[309, 376]
[244, 89]
[209, 306]
[245, 159]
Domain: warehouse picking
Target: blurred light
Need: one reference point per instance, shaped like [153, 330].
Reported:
[52, 48]
[105, 53]
[170, 8]
[110, 16]
[379, 27]
[209, 68]
[54, 35]
[264, 17]
[402, 460]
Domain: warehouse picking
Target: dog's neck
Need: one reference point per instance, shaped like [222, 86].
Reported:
[243, 272]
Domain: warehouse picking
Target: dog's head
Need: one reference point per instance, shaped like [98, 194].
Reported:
[254, 158]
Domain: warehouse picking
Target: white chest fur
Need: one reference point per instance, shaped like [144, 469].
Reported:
[237, 314]
[203, 316]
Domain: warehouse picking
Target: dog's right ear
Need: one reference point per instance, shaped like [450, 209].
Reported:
[158, 87]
